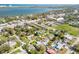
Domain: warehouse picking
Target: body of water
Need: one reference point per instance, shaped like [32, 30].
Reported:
[23, 11]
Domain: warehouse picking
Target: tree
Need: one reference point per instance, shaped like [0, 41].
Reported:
[34, 42]
[3, 39]
[4, 48]
[9, 30]
[25, 47]
[40, 48]
[76, 48]
[32, 51]
[49, 43]
[25, 39]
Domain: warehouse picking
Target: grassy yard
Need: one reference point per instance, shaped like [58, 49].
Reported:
[70, 29]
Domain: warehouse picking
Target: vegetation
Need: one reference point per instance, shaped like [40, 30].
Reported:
[35, 39]
[4, 48]
[3, 39]
[70, 17]
[71, 30]
[24, 39]
[71, 42]
[40, 48]
[76, 48]
[17, 51]
[7, 19]
[17, 44]
[32, 51]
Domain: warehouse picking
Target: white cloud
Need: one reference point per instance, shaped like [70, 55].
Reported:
[39, 1]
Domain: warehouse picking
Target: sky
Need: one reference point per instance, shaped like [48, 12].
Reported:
[39, 1]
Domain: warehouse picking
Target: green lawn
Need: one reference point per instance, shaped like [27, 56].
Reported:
[71, 30]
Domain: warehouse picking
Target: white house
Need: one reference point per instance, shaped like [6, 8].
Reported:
[75, 11]
[61, 15]
[61, 19]
[50, 17]
[68, 36]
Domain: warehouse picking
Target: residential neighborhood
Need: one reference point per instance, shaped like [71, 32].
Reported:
[54, 32]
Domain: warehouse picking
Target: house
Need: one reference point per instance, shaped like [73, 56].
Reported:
[50, 17]
[12, 43]
[67, 36]
[60, 20]
[75, 12]
[61, 14]
[51, 51]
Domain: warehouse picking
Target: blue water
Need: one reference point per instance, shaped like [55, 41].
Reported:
[32, 4]
[24, 11]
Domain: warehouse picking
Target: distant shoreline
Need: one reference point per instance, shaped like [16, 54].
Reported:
[15, 11]
[30, 7]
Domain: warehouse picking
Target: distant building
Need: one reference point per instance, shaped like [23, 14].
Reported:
[61, 15]
[61, 20]
[75, 12]
[50, 17]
